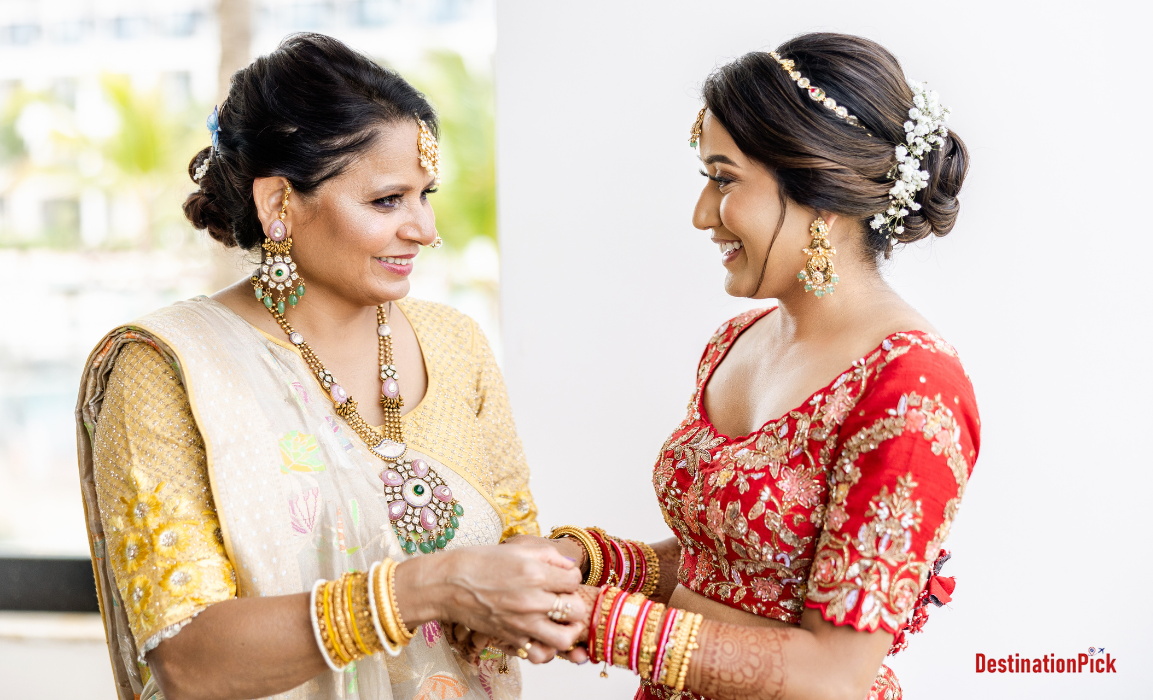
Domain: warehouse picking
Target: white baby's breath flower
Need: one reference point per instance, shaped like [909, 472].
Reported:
[924, 130]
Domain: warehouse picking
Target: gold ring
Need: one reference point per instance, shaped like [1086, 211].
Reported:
[523, 652]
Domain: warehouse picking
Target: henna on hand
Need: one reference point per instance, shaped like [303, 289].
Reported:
[736, 662]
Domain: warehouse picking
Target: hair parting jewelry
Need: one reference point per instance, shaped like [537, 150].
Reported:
[695, 133]
[815, 93]
[429, 151]
[818, 275]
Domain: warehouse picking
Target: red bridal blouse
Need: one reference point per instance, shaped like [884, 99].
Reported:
[842, 504]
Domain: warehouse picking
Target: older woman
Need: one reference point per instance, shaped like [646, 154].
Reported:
[253, 525]
[826, 448]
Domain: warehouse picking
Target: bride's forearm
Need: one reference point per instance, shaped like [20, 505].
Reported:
[669, 554]
[816, 660]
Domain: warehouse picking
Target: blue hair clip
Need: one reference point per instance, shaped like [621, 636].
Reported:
[214, 127]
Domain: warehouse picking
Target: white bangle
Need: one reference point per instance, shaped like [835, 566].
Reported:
[316, 627]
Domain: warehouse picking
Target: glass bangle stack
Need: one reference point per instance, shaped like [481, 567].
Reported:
[357, 616]
[630, 631]
[633, 566]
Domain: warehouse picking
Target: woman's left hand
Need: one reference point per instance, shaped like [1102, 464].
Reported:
[566, 546]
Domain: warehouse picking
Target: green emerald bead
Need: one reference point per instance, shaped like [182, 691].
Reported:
[836, 279]
[454, 521]
[426, 547]
[280, 307]
[259, 293]
[819, 294]
[449, 533]
[800, 275]
[808, 287]
[441, 542]
[458, 509]
[410, 547]
[300, 291]
[418, 490]
[268, 302]
[292, 300]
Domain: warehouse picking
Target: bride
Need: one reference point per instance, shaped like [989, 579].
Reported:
[825, 451]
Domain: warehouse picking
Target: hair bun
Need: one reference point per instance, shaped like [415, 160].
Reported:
[947, 167]
[202, 208]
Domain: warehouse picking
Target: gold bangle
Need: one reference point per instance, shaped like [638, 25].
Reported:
[626, 624]
[341, 618]
[689, 649]
[596, 561]
[649, 641]
[406, 636]
[384, 606]
[383, 612]
[322, 628]
[332, 633]
[653, 574]
[351, 606]
[677, 653]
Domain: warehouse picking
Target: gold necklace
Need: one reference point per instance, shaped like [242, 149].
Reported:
[421, 506]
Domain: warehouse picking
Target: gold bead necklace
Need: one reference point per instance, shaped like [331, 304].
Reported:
[421, 506]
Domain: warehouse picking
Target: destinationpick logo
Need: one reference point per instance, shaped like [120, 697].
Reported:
[1096, 661]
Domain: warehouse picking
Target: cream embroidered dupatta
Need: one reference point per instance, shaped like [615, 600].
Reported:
[298, 496]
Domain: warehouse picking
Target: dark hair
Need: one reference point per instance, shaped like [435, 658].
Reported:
[303, 112]
[821, 161]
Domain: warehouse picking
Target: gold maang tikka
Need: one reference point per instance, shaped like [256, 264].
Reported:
[429, 151]
[818, 274]
[277, 282]
[695, 132]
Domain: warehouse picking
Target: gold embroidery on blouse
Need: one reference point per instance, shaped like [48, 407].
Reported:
[464, 382]
[152, 486]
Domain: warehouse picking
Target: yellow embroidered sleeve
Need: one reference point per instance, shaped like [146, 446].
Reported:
[151, 474]
[502, 444]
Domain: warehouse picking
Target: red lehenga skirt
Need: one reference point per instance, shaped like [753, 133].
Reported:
[885, 687]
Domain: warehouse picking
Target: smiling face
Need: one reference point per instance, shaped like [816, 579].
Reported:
[357, 236]
[742, 206]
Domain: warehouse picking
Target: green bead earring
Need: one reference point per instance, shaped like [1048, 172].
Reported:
[277, 283]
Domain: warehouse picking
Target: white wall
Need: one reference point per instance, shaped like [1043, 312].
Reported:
[609, 295]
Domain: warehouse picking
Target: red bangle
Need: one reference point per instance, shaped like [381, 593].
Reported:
[662, 641]
[593, 625]
[618, 561]
[634, 569]
[642, 567]
[611, 627]
[606, 556]
[637, 634]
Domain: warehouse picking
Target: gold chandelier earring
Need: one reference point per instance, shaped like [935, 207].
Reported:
[277, 282]
[818, 274]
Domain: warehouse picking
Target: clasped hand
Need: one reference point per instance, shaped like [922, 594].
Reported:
[501, 596]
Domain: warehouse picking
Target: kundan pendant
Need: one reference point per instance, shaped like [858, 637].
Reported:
[421, 506]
